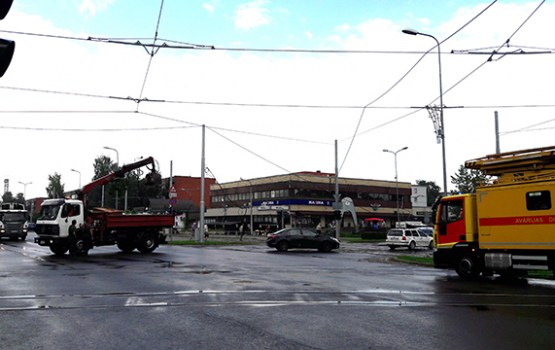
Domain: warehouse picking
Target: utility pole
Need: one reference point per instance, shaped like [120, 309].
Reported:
[202, 171]
[171, 173]
[497, 147]
[337, 196]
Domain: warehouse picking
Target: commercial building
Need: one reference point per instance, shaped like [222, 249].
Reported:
[304, 199]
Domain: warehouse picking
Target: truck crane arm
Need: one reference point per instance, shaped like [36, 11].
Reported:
[152, 177]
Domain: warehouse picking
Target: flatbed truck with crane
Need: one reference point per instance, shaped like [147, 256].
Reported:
[508, 226]
[100, 226]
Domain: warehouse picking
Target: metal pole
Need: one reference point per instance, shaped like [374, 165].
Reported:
[117, 154]
[252, 221]
[396, 180]
[337, 195]
[78, 172]
[171, 173]
[396, 189]
[442, 128]
[497, 147]
[202, 170]
[25, 188]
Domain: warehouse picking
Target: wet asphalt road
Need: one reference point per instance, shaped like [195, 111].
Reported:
[252, 297]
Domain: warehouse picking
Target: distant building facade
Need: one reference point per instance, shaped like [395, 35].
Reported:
[303, 199]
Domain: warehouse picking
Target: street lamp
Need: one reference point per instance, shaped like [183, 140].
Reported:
[78, 172]
[117, 154]
[25, 188]
[396, 179]
[441, 127]
[117, 167]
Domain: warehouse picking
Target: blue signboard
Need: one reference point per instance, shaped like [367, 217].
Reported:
[325, 203]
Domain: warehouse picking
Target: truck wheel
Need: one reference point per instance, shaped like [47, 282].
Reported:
[59, 249]
[126, 246]
[466, 268]
[147, 243]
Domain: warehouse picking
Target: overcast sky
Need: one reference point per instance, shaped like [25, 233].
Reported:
[283, 81]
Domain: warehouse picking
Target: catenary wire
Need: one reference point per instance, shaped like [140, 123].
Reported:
[235, 130]
[188, 46]
[151, 53]
[401, 79]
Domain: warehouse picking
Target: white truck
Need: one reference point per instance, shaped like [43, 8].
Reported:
[14, 221]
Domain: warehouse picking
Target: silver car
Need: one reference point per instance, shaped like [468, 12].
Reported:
[408, 238]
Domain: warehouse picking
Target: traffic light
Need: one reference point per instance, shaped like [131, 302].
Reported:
[7, 47]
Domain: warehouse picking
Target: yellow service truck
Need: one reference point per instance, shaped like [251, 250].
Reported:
[508, 226]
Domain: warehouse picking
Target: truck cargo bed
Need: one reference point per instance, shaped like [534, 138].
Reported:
[117, 219]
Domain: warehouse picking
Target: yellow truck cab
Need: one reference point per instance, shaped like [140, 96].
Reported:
[507, 226]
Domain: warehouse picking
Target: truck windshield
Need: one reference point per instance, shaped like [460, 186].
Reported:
[13, 217]
[49, 212]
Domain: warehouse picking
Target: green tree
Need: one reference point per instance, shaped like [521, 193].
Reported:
[55, 187]
[137, 192]
[432, 190]
[19, 198]
[102, 166]
[7, 197]
[467, 180]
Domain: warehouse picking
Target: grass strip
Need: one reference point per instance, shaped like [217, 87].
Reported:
[419, 260]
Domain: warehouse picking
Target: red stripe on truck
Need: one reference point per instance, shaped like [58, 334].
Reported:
[518, 220]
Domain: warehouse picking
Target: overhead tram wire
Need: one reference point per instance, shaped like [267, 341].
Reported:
[400, 80]
[236, 104]
[66, 111]
[234, 130]
[529, 127]
[202, 47]
[458, 82]
[259, 156]
[151, 53]
[177, 45]
[248, 150]
[92, 130]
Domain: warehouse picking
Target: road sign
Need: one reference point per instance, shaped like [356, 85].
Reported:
[172, 193]
[173, 201]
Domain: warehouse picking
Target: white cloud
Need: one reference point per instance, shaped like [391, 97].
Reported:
[251, 15]
[343, 28]
[209, 7]
[92, 7]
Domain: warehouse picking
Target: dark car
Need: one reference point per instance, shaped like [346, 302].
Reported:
[290, 238]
